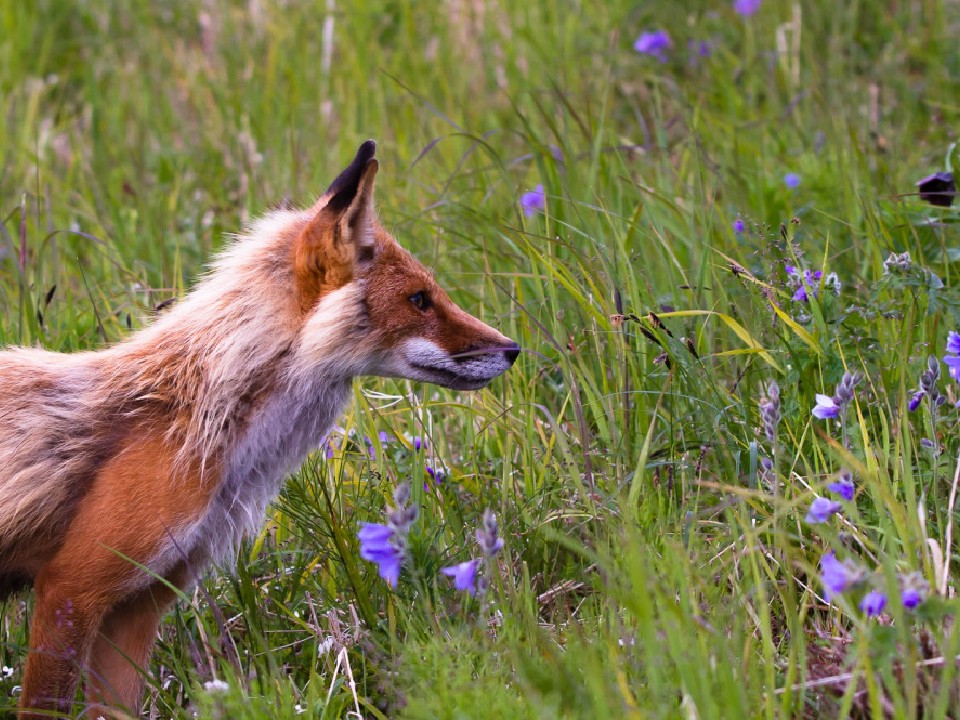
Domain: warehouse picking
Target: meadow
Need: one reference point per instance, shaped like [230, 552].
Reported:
[725, 467]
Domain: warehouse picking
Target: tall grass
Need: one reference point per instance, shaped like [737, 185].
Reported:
[653, 566]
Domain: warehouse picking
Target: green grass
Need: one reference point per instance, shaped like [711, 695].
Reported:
[651, 568]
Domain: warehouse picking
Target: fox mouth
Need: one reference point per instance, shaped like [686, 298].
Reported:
[450, 379]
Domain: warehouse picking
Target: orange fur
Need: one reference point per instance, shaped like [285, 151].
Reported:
[151, 459]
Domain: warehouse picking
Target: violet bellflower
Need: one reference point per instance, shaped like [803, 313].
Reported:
[738, 226]
[655, 44]
[533, 202]
[952, 359]
[746, 7]
[791, 180]
[821, 509]
[837, 576]
[873, 603]
[843, 485]
[833, 406]
[386, 543]
[913, 590]
[826, 407]
[464, 576]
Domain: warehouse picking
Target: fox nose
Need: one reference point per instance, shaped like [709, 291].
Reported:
[512, 352]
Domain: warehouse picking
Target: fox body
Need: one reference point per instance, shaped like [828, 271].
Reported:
[162, 451]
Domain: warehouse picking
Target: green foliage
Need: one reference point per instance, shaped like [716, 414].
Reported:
[652, 567]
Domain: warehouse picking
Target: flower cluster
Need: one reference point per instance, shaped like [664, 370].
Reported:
[834, 406]
[928, 383]
[465, 574]
[897, 264]
[846, 576]
[770, 410]
[386, 543]
[805, 283]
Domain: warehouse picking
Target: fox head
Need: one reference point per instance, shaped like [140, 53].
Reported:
[410, 327]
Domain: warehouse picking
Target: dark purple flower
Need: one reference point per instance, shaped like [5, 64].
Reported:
[464, 575]
[911, 598]
[791, 180]
[821, 509]
[843, 485]
[825, 408]
[533, 202]
[738, 226]
[746, 7]
[873, 603]
[915, 400]
[377, 545]
[913, 590]
[835, 575]
[654, 43]
[417, 443]
[938, 189]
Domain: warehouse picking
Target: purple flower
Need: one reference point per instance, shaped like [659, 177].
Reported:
[913, 589]
[700, 48]
[938, 189]
[911, 598]
[533, 202]
[746, 7]
[915, 400]
[654, 43]
[807, 282]
[738, 226]
[488, 535]
[825, 407]
[417, 443]
[464, 575]
[835, 575]
[873, 603]
[377, 544]
[953, 343]
[791, 180]
[821, 509]
[843, 485]
[953, 362]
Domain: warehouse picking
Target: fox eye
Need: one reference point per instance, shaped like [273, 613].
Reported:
[420, 301]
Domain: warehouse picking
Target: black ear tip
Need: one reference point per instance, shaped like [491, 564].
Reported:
[344, 188]
[367, 150]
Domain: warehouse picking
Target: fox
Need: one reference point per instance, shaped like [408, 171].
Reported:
[126, 472]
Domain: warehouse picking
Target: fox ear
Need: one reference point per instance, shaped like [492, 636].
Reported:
[337, 243]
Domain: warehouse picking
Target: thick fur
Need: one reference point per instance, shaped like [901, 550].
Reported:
[165, 449]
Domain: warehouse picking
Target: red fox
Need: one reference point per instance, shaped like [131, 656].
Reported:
[162, 451]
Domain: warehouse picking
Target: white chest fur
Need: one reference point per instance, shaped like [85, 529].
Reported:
[276, 442]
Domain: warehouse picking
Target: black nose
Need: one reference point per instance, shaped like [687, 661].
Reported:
[512, 352]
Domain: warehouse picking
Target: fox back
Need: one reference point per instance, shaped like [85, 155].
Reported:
[167, 447]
